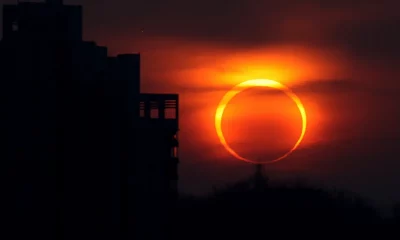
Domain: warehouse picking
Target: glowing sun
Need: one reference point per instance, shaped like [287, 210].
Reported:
[258, 83]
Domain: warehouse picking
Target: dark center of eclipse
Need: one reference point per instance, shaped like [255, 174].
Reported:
[261, 124]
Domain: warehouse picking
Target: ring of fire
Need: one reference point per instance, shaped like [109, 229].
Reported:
[257, 83]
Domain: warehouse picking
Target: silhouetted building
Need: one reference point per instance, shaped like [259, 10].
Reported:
[156, 177]
[158, 121]
[82, 145]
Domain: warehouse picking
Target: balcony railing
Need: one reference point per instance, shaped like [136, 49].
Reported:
[159, 109]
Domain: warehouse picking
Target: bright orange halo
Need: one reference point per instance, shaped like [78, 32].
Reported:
[257, 83]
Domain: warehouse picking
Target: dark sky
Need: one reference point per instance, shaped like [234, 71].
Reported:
[341, 57]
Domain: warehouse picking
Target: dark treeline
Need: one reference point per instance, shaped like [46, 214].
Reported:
[246, 207]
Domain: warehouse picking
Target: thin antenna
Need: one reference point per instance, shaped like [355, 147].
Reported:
[15, 24]
[260, 181]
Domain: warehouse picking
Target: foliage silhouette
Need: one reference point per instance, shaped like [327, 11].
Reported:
[243, 207]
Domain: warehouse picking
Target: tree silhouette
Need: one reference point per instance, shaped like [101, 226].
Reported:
[243, 207]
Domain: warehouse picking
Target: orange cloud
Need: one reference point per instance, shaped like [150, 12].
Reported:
[202, 74]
